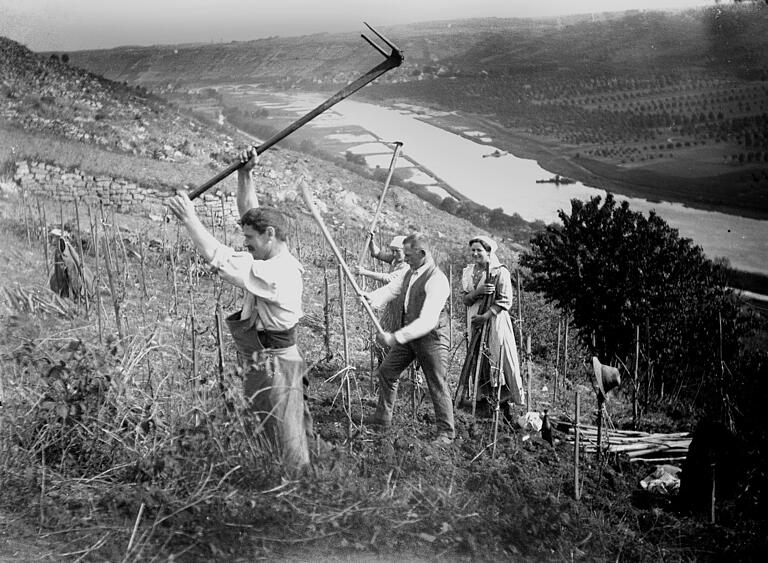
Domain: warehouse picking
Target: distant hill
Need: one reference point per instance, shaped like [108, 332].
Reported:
[664, 105]
[728, 40]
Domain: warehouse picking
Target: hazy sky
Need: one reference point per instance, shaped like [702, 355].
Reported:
[69, 25]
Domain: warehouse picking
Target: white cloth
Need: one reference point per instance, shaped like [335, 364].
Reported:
[437, 289]
[273, 287]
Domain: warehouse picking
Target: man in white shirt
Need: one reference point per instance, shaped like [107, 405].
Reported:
[421, 293]
[264, 330]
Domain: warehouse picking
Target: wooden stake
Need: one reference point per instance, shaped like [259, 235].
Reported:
[45, 238]
[82, 258]
[112, 286]
[26, 214]
[520, 311]
[557, 363]
[347, 393]
[599, 428]
[712, 504]
[220, 346]
[576, 488]
[528, 370]
[450, 307]
[327, 314]
[92, 222]
[497, 409]
[565, 350]
[636, 380]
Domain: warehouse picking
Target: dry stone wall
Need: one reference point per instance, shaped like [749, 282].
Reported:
[53, 182]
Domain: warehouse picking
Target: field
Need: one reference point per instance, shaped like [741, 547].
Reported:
[123, 434]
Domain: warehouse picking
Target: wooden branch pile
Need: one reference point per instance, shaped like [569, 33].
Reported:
[637, 446]
[34, 300]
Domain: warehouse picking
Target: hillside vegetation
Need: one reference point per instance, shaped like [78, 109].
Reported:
[122, 430]
[676, 112]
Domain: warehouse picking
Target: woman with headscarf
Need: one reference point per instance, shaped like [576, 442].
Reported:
[500, 348]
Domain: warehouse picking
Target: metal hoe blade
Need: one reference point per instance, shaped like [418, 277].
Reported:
[392, 60]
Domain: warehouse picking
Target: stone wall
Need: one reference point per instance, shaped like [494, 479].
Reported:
[52, 182]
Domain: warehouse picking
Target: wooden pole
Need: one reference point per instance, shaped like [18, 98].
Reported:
[497, 408]
[713, 499]
[565, 350]
[327, 314]
[347, 392]
[576, 491]
[108, 263]
[412, 369]
[450, 307]
[557, 363]
[520, 312]
[372, 228]
[528, 371]
[97, 279]
[26, 214]
[220, 346]
[599, 427]
[636, 381]
[79, 236]
[44, 230]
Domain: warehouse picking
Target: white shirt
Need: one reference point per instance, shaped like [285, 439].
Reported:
[273, 287]
[438, 290]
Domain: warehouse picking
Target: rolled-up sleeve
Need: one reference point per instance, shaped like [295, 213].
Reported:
[438, 290]
[239, 269]
[387, 293]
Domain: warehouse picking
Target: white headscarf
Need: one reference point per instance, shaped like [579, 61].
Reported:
[493, 260]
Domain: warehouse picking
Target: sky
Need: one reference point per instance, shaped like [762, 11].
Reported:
[70, 25]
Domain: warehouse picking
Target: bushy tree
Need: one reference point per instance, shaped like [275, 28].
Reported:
[615, 270]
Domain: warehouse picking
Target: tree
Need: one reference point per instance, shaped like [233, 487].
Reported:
[614, 270]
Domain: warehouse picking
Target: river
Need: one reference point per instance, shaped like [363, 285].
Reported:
[506, 181]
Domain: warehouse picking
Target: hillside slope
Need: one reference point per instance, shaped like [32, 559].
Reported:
[143, 137]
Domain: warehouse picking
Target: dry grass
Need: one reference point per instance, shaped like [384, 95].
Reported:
[117, 449]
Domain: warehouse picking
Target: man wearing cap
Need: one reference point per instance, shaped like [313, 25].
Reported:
[422, 334]
[264, 329]
[393, 257]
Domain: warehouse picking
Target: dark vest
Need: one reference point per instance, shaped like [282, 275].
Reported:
[416, 301]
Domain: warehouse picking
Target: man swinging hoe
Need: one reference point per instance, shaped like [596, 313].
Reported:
[264, 329]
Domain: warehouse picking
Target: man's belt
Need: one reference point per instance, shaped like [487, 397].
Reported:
[277, 338]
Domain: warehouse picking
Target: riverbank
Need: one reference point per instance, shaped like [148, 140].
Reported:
[710, 194]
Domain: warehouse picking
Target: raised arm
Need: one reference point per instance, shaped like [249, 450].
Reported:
[184, 209]
[246, 190]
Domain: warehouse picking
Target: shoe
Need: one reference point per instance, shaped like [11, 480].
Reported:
[442, 440]
[375, 422]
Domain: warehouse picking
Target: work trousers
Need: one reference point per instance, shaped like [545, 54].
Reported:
[431, 351]
[273, 386]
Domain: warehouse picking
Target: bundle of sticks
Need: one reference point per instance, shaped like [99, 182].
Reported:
[636, 445]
